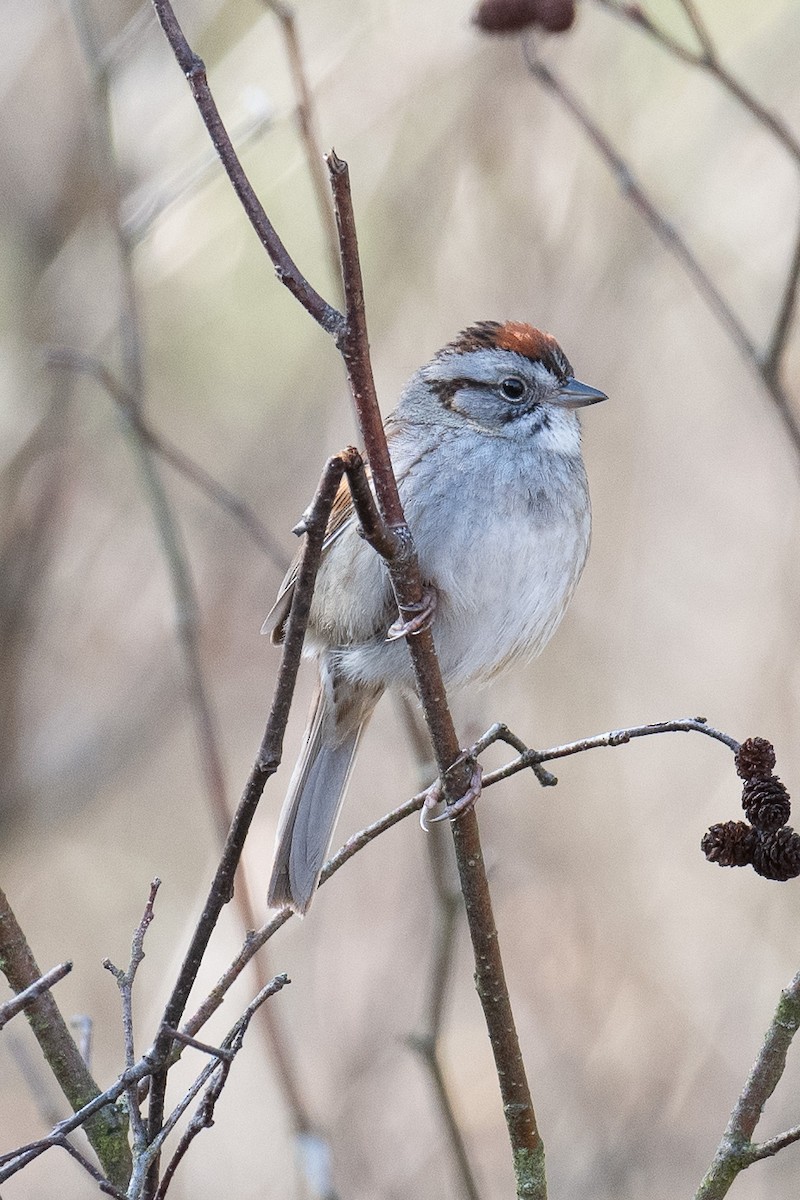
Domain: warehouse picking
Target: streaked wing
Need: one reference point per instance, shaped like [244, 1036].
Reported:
[342, 516]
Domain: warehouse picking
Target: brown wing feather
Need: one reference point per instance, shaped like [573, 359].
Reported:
[342, 515]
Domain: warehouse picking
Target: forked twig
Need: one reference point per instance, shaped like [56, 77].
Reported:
[125, 981]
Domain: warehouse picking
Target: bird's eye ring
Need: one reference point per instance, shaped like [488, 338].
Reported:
[513, 388]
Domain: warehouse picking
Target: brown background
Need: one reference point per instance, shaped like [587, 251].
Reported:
[641, 976]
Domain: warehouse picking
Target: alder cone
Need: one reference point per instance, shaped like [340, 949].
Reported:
[730, 844]
[755, 759]
[510, 16]
[766, 803]
[777, 855]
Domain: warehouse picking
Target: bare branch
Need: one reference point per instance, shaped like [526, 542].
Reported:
[204, 1047]
[707, 60]
[700, 29]
[267, 762]
[32, 992]
[527, 760]
[767, 366]
[285, 268]
[216, 1071]
[616, 737]
[667, 234]
[773, 1145]
[91, 1169]
[14, 1160]
[736, 1151]
[125, 981]
[106, 1130]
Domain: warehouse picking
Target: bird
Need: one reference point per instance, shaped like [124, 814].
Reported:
[485, 444]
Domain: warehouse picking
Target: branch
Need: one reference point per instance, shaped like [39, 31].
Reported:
[32, 992]
[736, 1151]
[666, 232]
[217, 1072]
[707, 60]
[427, 1041]
[527, 760]
[267, 762]
[766, 365]
[285, 268]
[125, 981]
[14, 1160]
[236, 508]
[107, 1129]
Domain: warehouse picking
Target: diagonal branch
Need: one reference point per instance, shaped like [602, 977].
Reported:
[286, 269]
[105, 1128]
[766, 366]
[737, 1151]
[528, 759]
[32, 992]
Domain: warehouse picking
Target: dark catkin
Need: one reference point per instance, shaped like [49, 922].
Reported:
[730, 844]
[777, 855]
[755, 759]
[510, 16]
[766, 803]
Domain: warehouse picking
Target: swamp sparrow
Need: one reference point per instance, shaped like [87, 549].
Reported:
[485, 444]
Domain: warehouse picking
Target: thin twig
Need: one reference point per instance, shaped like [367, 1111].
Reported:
[285, 268]
[426, 1042]
[216, 1070]
[736, 1151]
[32, 992]
[616, 737]
[91, 1169]
[125, 981]
[13, 1161]
[267, 762]
[203, 1047]
[527, 760]
[699, 27]
[772, 359]
[773, 1145]
[708, 60]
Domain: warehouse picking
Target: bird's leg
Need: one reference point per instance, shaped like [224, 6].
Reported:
[435, 795]
[414, 617]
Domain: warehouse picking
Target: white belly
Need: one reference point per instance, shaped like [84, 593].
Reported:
[504, 554]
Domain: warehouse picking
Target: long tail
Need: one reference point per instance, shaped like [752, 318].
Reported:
[316, 790]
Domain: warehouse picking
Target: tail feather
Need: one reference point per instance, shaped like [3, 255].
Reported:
[315, 796]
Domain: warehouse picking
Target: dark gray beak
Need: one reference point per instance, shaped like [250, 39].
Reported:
[574, 394]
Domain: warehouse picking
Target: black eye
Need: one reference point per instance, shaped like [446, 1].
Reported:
[513, 388]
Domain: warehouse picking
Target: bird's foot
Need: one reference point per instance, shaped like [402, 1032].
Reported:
[414, 618]
[435, 795]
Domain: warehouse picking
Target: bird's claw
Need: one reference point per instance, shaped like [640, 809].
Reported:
[435, 795]
[414, 618]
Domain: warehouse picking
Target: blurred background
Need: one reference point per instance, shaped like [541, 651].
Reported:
[642, 977]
